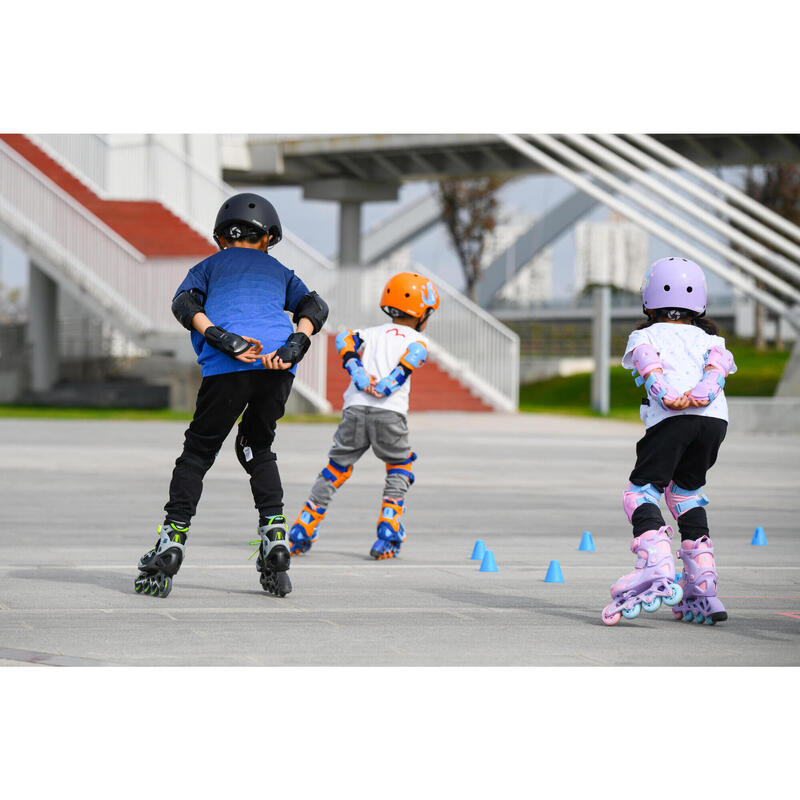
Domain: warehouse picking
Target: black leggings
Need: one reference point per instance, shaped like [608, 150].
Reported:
[261, 395]
[680, 449]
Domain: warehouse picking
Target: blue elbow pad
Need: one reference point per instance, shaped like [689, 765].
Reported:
[415, 356]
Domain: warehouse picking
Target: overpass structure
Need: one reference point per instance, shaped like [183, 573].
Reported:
[659, 181]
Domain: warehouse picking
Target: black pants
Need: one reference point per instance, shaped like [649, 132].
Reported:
[680, 449]
[261, 395]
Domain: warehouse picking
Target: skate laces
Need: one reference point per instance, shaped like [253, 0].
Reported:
[268, 527]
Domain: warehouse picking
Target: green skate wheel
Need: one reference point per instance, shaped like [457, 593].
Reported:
[632, 613]
[653, 605]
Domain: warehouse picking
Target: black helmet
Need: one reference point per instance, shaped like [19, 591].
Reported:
[253, 211]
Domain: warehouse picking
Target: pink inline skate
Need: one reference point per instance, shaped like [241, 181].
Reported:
[652, 580]
[699, 583]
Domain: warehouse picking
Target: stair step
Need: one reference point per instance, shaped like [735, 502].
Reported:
[150, 227]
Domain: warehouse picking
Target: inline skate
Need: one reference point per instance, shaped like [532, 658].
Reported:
[391, 533]
[303, 532]
[651, 582]
[273, 556]
[699, 584]
[162, 561]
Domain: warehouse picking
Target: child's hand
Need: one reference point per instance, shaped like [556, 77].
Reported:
[695, 402]
[252, 354]
[678, 404]
[371, 388]
[271, 361]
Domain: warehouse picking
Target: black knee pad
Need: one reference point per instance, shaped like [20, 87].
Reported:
[251, 455]
[195, 461]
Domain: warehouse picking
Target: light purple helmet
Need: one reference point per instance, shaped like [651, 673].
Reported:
[674, 283]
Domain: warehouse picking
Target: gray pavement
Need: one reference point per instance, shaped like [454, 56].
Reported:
[81, 500]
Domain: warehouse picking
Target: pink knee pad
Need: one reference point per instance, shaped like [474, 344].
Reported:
[635, 495]
[679, 501]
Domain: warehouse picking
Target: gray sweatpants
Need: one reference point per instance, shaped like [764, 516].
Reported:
[362, 427]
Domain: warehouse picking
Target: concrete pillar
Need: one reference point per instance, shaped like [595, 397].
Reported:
[601, 347]
[349, 233]
[42, 329]
[350, 194]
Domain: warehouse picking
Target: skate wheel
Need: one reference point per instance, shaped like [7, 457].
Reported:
[611, 620]
[699, 619]
[165, 587]
[653, 605]
[632, 613]
[687, 616]
[709, 621]
[676, 595]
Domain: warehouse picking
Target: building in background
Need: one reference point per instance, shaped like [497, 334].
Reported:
[533, 283]
[612, 253]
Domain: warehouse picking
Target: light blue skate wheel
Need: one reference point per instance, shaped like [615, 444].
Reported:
[653, 605]
[699, 619]
[709, 621]
[632, 613]
[687, 616]
[676, 596]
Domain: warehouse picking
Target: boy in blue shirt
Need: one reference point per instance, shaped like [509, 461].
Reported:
[241, 288]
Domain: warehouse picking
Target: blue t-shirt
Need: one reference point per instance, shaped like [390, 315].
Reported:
[247, 292]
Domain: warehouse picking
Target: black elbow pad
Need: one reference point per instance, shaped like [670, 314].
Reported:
[185, 305]
[312, 307]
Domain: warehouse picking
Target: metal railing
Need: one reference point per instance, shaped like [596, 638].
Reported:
[128, 288]
[466, 340]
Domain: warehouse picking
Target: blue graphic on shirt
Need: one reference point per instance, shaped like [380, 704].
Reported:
[247, 292]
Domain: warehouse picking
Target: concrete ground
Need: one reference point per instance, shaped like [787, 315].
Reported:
[81, 501]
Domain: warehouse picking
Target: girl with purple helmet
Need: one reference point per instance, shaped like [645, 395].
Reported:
[682, 362]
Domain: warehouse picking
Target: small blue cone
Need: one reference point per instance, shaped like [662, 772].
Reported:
[478, 550]
[759, 538]
[488, 564]
[554, 573]
[587, 543]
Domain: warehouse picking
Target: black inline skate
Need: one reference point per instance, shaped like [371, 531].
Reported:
[158, 565]
[273, 556]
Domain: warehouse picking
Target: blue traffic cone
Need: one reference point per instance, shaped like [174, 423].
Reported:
[587, 543]
[554, 573]
[478, 550]
[488, 564]
[759, 537]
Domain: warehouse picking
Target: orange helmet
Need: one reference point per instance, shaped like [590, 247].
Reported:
[409, 294]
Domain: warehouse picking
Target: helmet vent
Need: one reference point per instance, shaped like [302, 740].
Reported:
[688, 288]
[666, 288]
[251, 205]
[407, 294]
